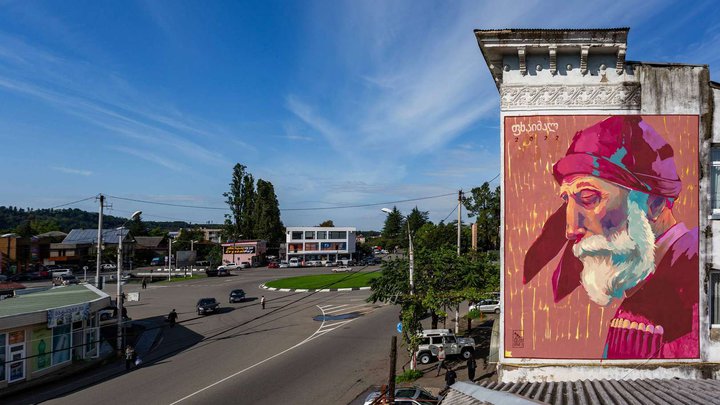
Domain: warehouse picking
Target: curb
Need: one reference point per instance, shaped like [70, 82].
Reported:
[311, 290]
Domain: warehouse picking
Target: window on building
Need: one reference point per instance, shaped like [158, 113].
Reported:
[310, 247]
[338, 235]
[297, 235]
[715, 179]
[310, 235]
[61, 344]
[714, 298]
[322, 234]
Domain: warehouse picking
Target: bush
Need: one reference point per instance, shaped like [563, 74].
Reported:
[408, 376]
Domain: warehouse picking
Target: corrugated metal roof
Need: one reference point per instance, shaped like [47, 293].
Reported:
[554, 29]
[149, 241]
[89, 236]
[646, 391]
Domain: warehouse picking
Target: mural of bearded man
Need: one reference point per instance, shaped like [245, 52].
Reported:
[620, 240]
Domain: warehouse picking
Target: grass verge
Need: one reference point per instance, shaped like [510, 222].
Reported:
[320, 281]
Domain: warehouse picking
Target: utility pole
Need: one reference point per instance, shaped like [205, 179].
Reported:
[99, 242]
[457, 307]
[391, 374]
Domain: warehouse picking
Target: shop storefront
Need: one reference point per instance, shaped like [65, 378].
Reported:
[249, 251]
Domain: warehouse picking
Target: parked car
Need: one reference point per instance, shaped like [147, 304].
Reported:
[431, 339]
[20, 277]
[157, 261]
[330, 263]
[223, 272]
[313, 263]
[237, 296]
[206, 305]
[108, 266]
[273, 265]
[487, 306]
[283, 265]
[230, 266]
[245, 265]
[65, 279]
[211, 272]
[59, 272]
[294, 262]
[407, 396]
[341, 269]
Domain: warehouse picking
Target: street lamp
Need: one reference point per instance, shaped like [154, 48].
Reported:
[119, 284]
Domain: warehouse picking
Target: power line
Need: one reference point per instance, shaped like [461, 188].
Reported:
[451, 212]
[367, 205]
[71, 203]
[170, 204]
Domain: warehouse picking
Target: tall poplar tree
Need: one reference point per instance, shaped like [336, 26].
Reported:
[268, 225]
[241, 200]
[393, 229]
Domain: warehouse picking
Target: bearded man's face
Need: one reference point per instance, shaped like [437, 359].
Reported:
[612, 235]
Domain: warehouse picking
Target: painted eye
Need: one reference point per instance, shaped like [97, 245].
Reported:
[589, 197]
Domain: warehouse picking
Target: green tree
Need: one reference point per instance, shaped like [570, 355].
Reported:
[240, 199]
[414, 221]
[393, 229]
[137, 227]
[484, 204]
[327, 223]
[268, 225]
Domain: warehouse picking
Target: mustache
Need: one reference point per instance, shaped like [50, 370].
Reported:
[619, 243]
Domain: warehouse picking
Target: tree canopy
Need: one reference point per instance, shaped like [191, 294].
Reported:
[484, 204]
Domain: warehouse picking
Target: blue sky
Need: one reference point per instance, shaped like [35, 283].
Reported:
[335, 102]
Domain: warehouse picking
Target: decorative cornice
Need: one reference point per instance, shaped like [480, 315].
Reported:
[615, 96]
[553, 59]
[521, 57]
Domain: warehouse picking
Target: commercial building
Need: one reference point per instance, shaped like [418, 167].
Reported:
[324, 244]
[44, 331]
[79, 246]
[597, 150]
[251, 251]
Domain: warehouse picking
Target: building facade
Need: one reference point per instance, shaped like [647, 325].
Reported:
[45, 331]
[609, 190]
[333, 244]
[250, 251]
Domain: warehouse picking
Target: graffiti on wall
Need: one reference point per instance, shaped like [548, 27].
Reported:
[601, 238]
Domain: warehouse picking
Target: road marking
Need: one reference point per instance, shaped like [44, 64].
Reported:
[317, 333]
[344, 309]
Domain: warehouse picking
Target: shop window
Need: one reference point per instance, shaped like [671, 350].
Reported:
[338, 234]
[2, 356]
[297, 235]
[322, 234]
[311, 246]
[714, 298]
[40, 347]
[61, 344]
[715, 179]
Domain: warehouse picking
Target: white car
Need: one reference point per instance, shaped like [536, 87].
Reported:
[294, 262]
[341, 269]
[487, 306]
[108, 266]
[283, 265]
[230, 266]
[313, 263]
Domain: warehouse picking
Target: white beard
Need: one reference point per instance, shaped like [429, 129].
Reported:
[615, 264]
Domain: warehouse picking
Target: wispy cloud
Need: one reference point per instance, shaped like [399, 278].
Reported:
[149, 156]
[72, 171]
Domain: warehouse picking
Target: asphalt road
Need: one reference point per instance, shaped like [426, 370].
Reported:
[246, 355]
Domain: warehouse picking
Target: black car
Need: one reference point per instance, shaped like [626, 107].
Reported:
[237, 296]
[206, 305]
[211, 272]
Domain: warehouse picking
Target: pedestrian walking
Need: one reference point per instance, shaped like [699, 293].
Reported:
[129, 357]
[262, 301]
[144, 283]
[441, 359]
[172, 317]
[450, 377]
[471, 366]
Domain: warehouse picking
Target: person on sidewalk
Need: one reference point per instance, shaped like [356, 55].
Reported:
[144, 283]
[471, 366]
[262, 301]
[450, 377]
[172, 317]
[441, 360]
[129, 357]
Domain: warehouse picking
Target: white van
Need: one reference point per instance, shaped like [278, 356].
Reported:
[60, 272]
[294, 262]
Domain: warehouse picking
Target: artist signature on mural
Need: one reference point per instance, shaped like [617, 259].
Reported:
[539, 126]
[518, 341]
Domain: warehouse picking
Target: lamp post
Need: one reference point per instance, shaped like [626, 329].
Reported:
[170, 242]
[411, 265]
[119, 284]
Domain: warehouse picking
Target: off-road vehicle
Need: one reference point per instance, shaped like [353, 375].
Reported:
[432, 339]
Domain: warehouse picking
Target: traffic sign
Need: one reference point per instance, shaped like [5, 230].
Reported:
[399, 327]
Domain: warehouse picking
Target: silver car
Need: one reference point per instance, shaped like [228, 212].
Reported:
[487, 306]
